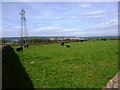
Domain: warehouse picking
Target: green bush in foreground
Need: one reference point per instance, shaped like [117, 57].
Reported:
[83, 65]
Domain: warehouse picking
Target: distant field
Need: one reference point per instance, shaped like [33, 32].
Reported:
[84, 65]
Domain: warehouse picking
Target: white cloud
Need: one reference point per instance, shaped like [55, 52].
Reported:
[101, 33]
[16, 27]
[53, 30]
[74, 17]
[70, 30]
[96, 12]
[109, 23]
[107, 28]
[47, 28]
[100, 14]
[85, 5]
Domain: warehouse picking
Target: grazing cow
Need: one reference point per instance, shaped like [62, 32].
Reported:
[68, 46]
[26, 46]
[103, 39]
[81, 40]
[62, 43]
[77, 40]
[19, 49]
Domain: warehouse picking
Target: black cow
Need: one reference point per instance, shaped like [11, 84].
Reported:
[68, 46]
[81, 40]
[26, 46]
[77, 40]
[19, 49]
[62, 43]
[103, 39]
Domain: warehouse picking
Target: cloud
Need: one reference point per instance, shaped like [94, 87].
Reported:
[61, 18]
[110, 23]
[85, 5]
[17, 27]
[107, 28]
[47, 28]
[70, 30]
[10, 32]
[99, 14]
[54, 30]
[96, 12]
[101, 33]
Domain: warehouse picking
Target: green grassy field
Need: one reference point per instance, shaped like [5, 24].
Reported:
[83, 65]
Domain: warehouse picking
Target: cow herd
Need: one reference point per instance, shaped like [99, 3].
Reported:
[21, 48]
[62, 44]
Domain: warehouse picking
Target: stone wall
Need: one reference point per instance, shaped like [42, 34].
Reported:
[14, 74]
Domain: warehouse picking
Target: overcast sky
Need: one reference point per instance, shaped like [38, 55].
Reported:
[61, 18]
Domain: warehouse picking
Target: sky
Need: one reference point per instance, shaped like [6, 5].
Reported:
[61, 18]
[59, 0]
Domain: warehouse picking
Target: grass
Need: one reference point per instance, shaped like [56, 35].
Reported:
[83, 65]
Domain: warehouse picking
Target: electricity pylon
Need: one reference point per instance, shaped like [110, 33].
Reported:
[23, 29]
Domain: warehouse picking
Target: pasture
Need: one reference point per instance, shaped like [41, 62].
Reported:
[84, 65]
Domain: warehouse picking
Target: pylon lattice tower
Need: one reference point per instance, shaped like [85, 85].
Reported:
[23, 29]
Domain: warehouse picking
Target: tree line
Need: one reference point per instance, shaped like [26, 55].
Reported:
[49, 41]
